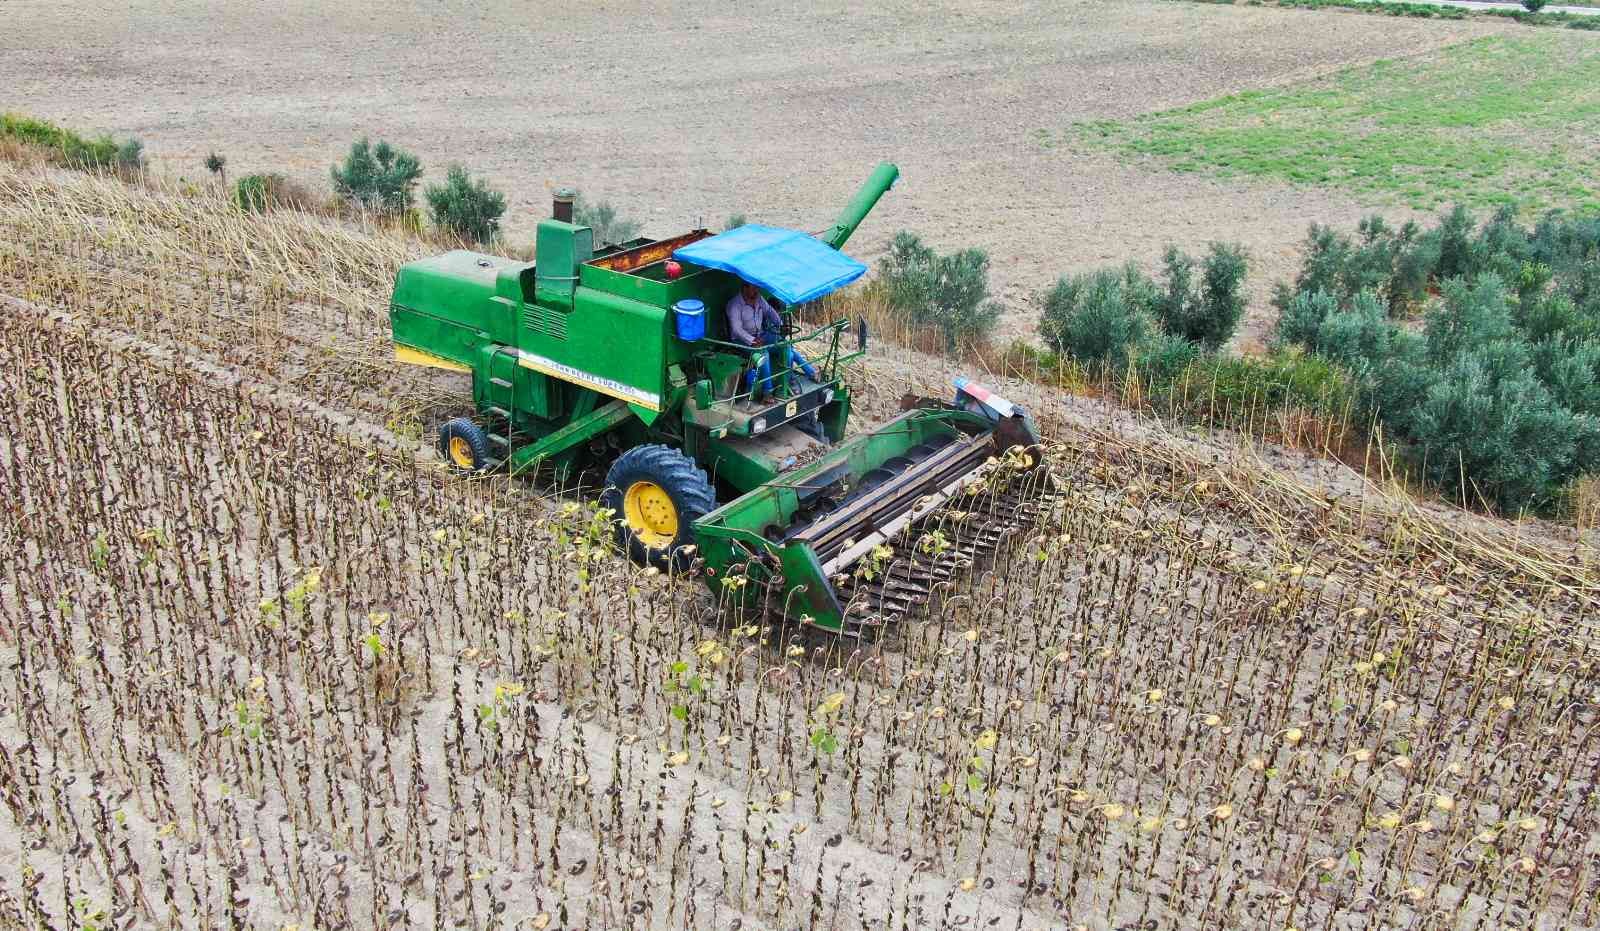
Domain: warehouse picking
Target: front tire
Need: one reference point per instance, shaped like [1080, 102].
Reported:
[656, 493]
[464, 445]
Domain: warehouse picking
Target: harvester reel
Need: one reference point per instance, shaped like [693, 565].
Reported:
[656, 493]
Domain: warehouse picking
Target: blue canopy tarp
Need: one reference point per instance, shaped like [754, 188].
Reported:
[792, 266]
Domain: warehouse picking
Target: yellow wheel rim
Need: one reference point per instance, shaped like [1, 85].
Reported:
[461, 452]
[650, 514]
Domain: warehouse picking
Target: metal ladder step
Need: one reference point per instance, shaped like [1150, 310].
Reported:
[496, 439]
[497, 411]
[499, 382]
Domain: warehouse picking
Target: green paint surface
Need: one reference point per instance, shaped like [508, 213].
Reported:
[1485, 122]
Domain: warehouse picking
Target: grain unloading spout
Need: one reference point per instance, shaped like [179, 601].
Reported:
[844, 542]
[877, 184]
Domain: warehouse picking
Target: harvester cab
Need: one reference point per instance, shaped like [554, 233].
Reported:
[727, 459]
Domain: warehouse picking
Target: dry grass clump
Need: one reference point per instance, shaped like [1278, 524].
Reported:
[1583, 502]
[269, 666]
[292, 297]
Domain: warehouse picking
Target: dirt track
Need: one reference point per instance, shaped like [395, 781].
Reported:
[776, 113]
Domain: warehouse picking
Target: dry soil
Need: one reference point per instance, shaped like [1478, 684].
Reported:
[773, 110]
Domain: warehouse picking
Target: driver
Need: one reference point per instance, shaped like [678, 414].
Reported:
[749, 314]
[753, 322]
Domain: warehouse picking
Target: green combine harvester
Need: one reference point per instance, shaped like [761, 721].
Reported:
[622, 356]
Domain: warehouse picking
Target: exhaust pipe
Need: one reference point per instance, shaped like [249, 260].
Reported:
[561, 205]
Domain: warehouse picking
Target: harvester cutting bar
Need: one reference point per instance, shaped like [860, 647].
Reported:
[968, 529]
[965, 459]
[824, 524]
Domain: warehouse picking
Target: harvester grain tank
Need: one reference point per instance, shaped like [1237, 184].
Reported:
[620, 354]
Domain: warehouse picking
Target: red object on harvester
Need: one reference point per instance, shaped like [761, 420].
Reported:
[674, 269]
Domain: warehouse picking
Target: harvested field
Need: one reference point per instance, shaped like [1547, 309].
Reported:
[775, 112]
[272, 666]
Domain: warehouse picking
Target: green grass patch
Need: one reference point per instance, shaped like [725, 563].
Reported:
[70, 149]
[1491, 121]
[1425, 10]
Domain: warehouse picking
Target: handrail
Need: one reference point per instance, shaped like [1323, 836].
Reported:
[839, 325]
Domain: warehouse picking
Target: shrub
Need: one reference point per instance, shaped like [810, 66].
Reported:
[1468, 315]
[947, 293]
[1357, 338]
[66, 148]
[1504, 237]
[1101, 317]
[1235, 386]
[1300, 318]
[130, 154]
[1533, 281]
[1162, 360]
[734, 222]
[907, 272]
[1499, 396]
[1561, 240]
[218, 165]
[1582, 284]
[1413, 269]
[602, 219]
[1554, 315]
[1393, 264]
[1393, 391]
[1455, 246]
[254, 193]
[1533, 6]
[259, 193]
[1368, 262]
[1321, 271]
[1570, 369]
[470, 209]
[1487, 428]
[377, 177]
[1206, 312]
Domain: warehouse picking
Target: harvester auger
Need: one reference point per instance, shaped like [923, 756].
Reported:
[623, 355]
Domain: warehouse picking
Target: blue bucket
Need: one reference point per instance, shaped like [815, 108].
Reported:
[689, 316]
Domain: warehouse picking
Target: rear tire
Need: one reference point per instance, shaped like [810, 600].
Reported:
[656, 493]
[464, 445]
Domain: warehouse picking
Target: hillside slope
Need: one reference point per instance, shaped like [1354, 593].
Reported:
[273, 663]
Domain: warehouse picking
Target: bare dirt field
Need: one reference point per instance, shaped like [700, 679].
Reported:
[772, 110]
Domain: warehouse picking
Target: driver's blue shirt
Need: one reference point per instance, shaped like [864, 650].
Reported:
[746, 319]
